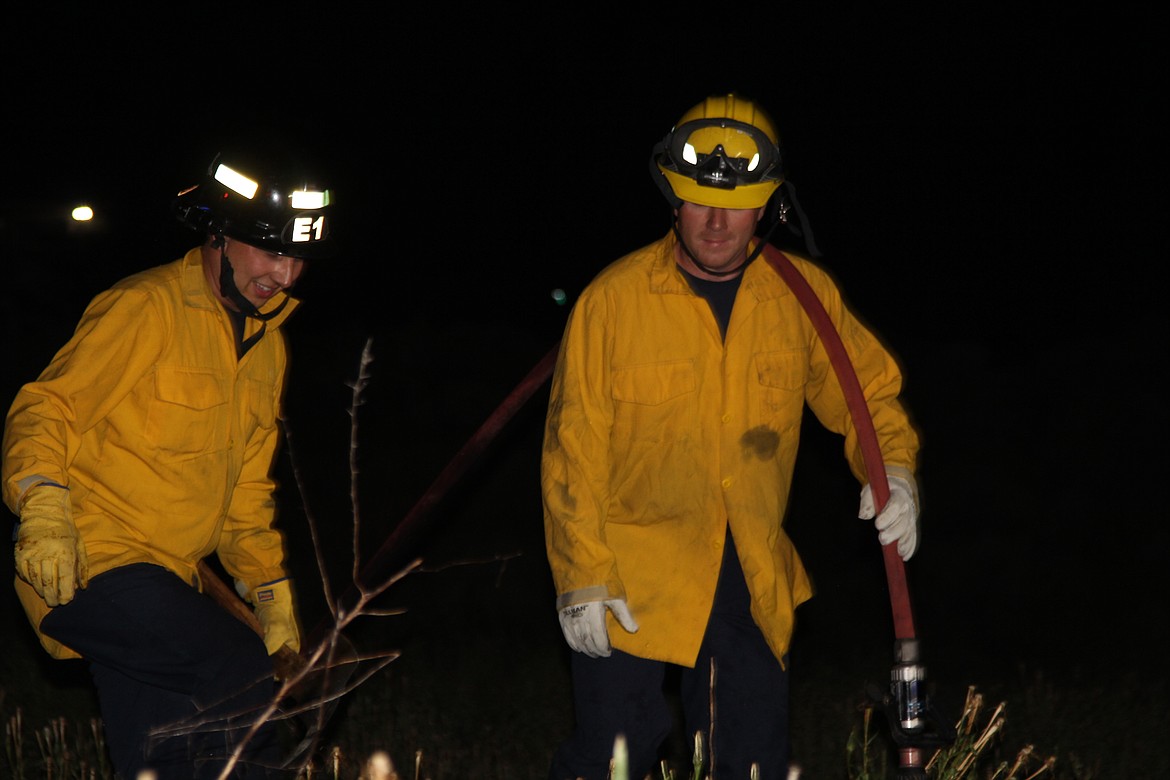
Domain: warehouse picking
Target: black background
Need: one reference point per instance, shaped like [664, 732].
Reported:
[985, 185]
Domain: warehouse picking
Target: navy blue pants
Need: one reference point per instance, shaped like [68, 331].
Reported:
[623, 694]
[163, 655]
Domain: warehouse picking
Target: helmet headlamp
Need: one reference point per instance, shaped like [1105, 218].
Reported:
[236, 181]
[276, 210]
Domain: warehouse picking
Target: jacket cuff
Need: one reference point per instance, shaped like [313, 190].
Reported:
[595, 593]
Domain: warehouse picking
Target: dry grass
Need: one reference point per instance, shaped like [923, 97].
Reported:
[65, 751]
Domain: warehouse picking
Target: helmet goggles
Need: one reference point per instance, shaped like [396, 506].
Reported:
[722, 153]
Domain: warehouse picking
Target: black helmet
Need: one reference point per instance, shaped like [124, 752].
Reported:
[272, 207]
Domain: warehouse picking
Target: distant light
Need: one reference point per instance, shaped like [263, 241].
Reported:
[235, 181]
[306, 199]
[559, 297]
[82, 214]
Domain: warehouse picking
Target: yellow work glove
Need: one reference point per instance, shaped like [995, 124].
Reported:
[50, 555]
[273, 604]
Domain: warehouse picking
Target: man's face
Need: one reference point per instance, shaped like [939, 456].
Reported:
[718, 238]
[259, 275]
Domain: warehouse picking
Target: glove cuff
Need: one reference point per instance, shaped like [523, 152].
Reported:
[272, 592]
[26, 485]
[583, 596]
[37, 492]
[906, 475]
[46, 508]
[265, 592]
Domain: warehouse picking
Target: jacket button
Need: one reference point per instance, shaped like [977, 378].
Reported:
[727, 482]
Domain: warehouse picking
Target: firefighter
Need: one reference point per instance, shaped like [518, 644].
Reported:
[669, 447]
[147, 445]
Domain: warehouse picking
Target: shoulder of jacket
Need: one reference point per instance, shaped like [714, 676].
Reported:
[150, 280]
[142, 295]
[639, 263]
[818, 277]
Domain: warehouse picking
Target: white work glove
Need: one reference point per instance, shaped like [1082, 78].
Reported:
[898, 521]
[584, 625]
[50, 554]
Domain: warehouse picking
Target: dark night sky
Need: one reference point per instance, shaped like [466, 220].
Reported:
[987, 187]
[946, 160]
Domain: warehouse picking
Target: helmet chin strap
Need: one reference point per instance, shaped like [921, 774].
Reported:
[760, 244]
[227, 286]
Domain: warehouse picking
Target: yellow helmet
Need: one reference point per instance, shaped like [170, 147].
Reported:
[723, 152]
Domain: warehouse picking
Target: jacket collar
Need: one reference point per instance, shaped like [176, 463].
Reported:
[197, 292]
[666, 277]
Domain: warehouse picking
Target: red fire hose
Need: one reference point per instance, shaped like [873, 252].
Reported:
[913, 722]
[390, 555]
[862, 422]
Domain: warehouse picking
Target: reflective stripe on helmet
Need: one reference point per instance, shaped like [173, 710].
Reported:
[722, 153]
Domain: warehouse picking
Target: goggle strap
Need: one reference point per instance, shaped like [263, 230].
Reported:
[659, 178]
[805, 230]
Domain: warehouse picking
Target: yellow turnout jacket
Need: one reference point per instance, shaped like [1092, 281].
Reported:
[164, 439]
[660, 433]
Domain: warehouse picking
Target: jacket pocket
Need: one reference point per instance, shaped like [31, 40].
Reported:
[187, 416]
[261, 411]
[653, 383]
[781, 378]
[654, 402]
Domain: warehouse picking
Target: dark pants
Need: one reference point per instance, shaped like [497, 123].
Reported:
[622, 694]
[179, 680]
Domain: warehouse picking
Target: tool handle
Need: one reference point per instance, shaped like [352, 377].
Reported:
[286, 661]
